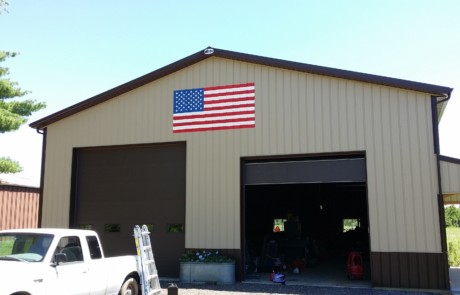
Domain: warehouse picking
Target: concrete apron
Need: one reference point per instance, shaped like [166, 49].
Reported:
[454, 274]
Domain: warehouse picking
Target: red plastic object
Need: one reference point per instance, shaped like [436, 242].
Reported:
[355, 266]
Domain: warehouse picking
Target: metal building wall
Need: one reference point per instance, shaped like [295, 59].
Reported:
[450, 173]
[296, 113]
[18, 207]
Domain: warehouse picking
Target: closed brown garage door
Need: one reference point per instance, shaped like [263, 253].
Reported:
[115, 188]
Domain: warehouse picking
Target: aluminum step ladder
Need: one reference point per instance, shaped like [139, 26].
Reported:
[145, 262]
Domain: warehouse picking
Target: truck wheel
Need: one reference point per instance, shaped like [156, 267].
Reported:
[130, 287]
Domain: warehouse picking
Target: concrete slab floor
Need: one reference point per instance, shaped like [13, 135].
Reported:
[327, 274]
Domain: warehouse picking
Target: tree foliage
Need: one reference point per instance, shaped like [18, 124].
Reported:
[452, 216]
[13, 113]
[3, 5]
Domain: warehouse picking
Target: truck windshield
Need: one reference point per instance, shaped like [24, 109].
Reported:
[29, 247]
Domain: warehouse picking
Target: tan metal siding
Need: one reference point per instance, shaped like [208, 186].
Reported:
[296, 113]
[450, 173]
[18, 207]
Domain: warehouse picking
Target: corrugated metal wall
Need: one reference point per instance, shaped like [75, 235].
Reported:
[410, 270]
[450, 173]
[296, 113]
[18, 207]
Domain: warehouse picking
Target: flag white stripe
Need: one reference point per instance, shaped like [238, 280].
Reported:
[229, 96]
[224, 104]
[213, 118]
[241, 109]
[225, 90]
[249, 123]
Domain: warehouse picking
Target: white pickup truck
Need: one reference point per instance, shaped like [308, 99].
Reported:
[62, 261]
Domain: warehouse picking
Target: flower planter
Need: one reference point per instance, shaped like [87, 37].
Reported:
[199, 272]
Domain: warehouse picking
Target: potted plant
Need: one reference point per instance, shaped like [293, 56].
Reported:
[207, 266]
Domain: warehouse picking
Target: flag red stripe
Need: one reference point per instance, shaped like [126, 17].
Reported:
[213, 115]
[215, 128]
[229, 107]
[214, 121]
[225, 107]
[228, 93]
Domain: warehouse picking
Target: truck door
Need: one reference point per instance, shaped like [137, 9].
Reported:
[71, 270]
[98, 271]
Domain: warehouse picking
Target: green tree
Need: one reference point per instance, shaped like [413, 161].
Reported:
[13, 113]
[3, 5]
[452, 215]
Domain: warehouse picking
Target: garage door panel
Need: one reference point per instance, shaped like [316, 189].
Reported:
[314, 171]
[133, 185]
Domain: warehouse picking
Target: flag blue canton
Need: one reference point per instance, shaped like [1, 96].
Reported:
[190, 100]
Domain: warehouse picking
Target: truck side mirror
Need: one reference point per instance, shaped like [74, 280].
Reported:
[60, 257]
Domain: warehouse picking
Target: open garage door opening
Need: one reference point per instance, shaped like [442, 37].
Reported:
[303, 218]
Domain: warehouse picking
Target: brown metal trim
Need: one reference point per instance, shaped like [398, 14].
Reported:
[333, 72]
[440, 199]
[312, 156]
[243, 57]
[434, 120]
[42, 177]
[305, 157]
[73, 210]
[410, 270]
[240, 270]
[442, 223]
[18, 188]
[449, 159]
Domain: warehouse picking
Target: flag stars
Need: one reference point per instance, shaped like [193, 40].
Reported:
[191, 100]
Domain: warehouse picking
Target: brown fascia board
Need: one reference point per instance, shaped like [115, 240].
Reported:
[449, 159]
[255, 59]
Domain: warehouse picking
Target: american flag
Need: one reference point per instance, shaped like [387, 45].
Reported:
[214, 108]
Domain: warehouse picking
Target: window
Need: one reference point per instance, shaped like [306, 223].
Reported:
[94, 247]
[31, 247]
[112, 228]
[150, 227]
[175, 228]
[71, 248]
[278, 225]
[350, 224]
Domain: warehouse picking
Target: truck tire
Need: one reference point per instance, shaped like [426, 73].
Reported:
[130, 287]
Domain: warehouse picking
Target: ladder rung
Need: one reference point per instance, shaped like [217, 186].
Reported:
[147, 247]
[152, 276]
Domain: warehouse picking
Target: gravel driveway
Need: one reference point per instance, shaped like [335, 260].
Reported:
[265, 289]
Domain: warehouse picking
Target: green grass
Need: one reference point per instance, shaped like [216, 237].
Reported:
[453, 245]
[453, 233]
[5, 247]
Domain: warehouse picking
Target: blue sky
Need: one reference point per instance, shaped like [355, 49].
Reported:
[73, 50]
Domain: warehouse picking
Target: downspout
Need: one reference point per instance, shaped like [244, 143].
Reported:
[442, 220]
[42, 174]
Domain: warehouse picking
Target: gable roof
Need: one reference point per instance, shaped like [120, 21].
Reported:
[435, 90]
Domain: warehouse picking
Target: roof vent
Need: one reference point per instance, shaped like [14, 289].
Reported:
[209, 50]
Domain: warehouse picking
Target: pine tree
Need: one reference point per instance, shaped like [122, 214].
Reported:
[13, 113]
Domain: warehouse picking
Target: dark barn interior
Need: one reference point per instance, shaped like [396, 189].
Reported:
[304, 226]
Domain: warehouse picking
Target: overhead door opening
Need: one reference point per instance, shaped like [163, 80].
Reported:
[304, 218]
